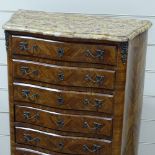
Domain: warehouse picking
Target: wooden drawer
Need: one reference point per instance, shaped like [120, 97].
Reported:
[36, 151]
[66, 76]
[75, 52]
[62, 99]
[64, 144]
[24, 151]
[64, 121]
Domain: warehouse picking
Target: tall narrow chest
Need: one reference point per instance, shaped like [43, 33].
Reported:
[75, 83]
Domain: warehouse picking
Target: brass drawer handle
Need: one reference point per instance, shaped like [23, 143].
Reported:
[26, 71]
[98, 54]
[27, 116]
[95, 148]
[97, 103]
[96, 127]
[28, 138]
[60, 52]
[97, 80]
[35, 48]
[27, 94]
[25, 47]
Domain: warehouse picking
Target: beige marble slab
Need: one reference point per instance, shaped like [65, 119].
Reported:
[77, 25]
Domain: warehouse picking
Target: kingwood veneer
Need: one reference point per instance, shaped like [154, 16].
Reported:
[75, 83]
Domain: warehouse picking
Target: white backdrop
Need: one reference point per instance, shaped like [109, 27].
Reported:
[142, 9]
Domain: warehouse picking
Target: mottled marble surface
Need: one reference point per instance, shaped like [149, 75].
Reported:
[77, 25]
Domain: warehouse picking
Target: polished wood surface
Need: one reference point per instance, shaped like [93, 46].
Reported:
[39, 80]
[64, 122]
[63, 99]
[30, 150]
[58, 143]
[63, 51]
[67, 76]
[24, 151]
[134, 89]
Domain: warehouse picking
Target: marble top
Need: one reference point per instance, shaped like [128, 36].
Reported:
[77, 25]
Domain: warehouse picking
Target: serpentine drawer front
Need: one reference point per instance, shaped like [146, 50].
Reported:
[102, 54]
[75, 83]
[62, 99]
[21, 150]
[67, 76]
[64, 122]
[65, 144]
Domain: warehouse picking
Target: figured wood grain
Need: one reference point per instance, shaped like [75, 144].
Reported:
[62, 51]
[30, 150]
[58, 143]
[134, 94]
[71, 76]
[64, 122]
[118, 108]
[63, 133]
[125, 91]
[63, 99]
[10, 86]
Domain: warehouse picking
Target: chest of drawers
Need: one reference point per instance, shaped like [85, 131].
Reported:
[75, 83]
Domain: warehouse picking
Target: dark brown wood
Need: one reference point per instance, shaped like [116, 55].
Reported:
[63, 99]
[10, 87]
[118, 105]
[74, 52]
[24, 151]
[63, 133]
[30, 150]
[67, 76]
[121, 91]
[64, 122]
[64, 144]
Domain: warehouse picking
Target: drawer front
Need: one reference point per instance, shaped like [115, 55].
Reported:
[24, 151]
[62, 144]
[92, 53]
[64, 122]
[62, 99]
[29, 151]
[66, 76]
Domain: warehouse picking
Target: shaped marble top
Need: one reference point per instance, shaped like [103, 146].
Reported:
[77, 25]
